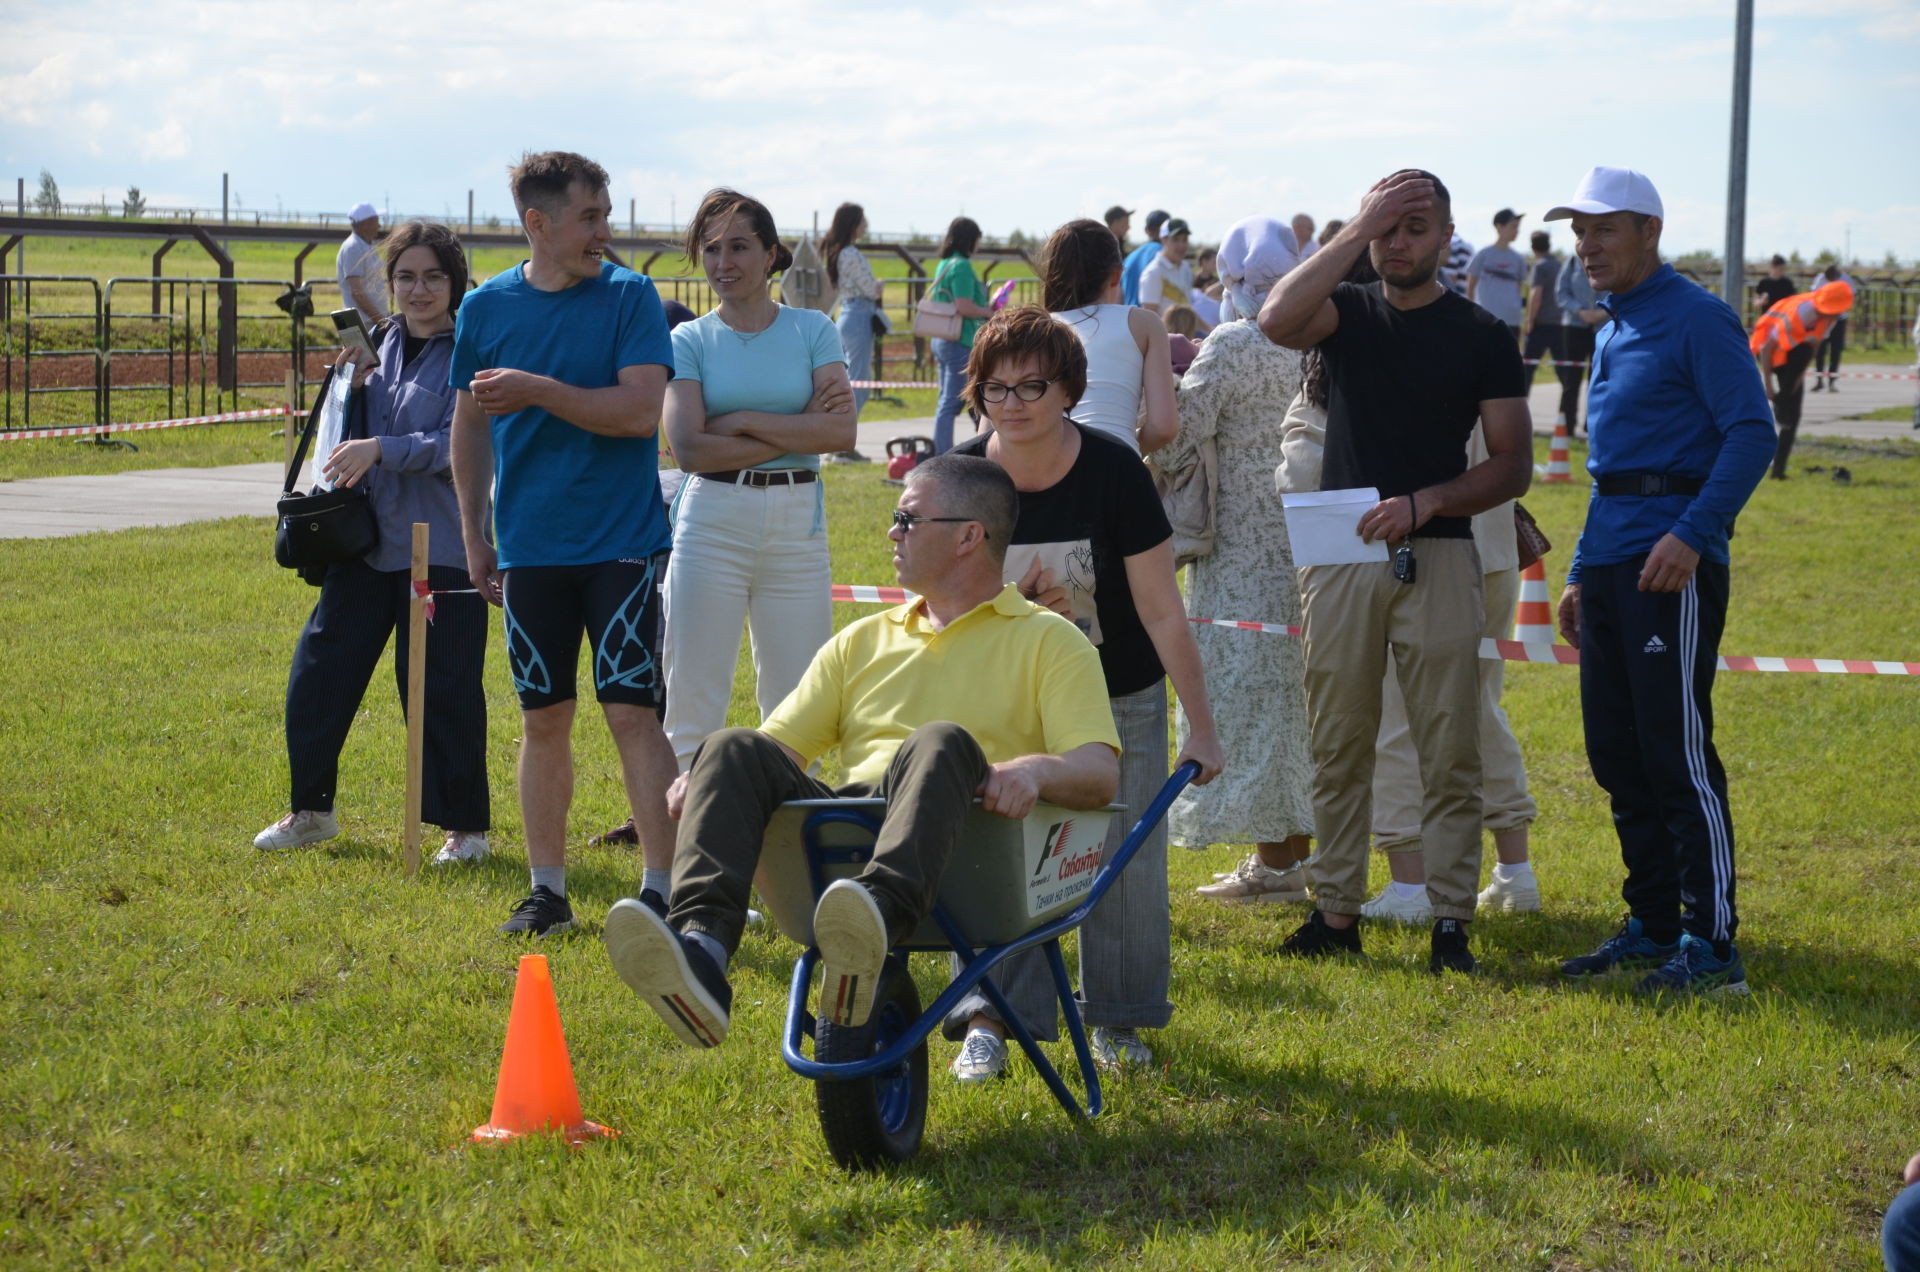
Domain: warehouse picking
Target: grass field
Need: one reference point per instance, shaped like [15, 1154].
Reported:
[225, 1059]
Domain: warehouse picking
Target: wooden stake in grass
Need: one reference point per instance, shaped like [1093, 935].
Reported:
[290, 429]
[416, 695]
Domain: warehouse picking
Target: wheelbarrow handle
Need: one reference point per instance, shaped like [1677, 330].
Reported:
[1110, 869]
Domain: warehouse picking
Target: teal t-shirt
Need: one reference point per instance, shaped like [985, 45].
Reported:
[562, 495]
[769, 371]
[955, 280]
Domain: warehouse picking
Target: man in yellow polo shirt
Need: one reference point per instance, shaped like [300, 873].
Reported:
[971, 690]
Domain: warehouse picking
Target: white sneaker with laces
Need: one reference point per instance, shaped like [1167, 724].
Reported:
[1254, 881]
[297, 829]
[462, 845]
[1119, 1048]
[1515, 896]
[1394, 908]
[983, 1056]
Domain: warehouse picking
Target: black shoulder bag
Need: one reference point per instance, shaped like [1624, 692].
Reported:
[315, 530]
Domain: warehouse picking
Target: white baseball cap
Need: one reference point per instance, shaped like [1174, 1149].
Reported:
[361, 211]
[1611, 190]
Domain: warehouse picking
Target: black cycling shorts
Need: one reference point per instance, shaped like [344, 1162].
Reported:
[617, 605]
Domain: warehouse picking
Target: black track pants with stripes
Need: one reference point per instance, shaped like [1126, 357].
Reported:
[1646, 695]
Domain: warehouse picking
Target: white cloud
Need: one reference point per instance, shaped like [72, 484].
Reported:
[169, 141]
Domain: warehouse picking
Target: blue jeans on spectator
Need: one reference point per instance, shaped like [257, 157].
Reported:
[950, 356]
[1900, 1232]
[856, 340]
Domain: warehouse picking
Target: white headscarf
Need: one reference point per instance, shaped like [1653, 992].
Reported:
[1256, 253]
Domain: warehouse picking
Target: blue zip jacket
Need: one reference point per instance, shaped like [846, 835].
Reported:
[1675, 391]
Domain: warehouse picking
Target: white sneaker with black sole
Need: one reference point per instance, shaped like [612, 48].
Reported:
[851, 935]
[296, 830]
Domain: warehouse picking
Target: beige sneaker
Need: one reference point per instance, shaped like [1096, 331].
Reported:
[1255, 882]
[462, 845]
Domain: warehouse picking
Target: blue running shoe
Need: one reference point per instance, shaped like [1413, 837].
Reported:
[1694, 970]
[1628, 948]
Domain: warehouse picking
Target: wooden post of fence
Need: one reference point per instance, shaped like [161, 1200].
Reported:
[416, 696]
[288, 462]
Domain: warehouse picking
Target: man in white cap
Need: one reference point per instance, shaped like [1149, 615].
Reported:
[357, 268]
[1680, 435]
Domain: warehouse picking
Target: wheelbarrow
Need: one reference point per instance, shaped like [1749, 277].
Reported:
[1011, 886]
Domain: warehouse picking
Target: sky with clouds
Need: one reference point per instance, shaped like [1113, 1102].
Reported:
[1019, 115]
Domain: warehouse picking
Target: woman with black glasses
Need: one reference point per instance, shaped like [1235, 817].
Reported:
[1093, 544]
[397, 452]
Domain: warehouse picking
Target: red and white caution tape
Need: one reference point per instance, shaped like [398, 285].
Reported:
[88, 430]
[895, 384]
[424, 594]
[1497, 650]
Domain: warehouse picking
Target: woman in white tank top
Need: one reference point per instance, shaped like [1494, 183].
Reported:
[1127, 359]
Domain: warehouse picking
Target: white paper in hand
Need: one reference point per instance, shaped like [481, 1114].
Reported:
[1321, 524]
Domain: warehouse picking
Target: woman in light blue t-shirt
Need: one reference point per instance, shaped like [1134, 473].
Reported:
[759, 393]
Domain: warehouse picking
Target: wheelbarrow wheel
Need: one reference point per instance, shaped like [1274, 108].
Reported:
[869, 1122]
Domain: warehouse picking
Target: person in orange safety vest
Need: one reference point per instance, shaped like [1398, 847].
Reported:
[1783, 342]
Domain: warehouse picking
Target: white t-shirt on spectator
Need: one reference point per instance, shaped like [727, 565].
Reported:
[361, 259]
[1164, 283]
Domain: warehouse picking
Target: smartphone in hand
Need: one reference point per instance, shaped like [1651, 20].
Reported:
[346, 325]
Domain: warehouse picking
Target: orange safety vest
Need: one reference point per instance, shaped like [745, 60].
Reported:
[1791, 322]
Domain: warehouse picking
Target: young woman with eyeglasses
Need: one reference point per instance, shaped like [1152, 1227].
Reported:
[397, 452]
[1092, 543]
[759, 394]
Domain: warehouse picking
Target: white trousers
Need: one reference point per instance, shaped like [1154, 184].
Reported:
[741, 555]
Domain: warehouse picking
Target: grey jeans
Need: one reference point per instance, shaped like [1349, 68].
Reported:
[1126, 943]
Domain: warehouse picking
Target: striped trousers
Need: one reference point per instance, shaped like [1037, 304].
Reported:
[1646, 697]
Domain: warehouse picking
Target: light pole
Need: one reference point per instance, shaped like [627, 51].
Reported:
[1733, 277]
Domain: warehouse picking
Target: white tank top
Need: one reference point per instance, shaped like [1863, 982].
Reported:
[1111, 404]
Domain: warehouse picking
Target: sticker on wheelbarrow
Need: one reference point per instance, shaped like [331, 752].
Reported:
[1062, 859]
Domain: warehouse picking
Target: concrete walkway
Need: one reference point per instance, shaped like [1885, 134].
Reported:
[50, 507]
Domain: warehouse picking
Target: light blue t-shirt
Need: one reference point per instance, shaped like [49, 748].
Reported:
[562, 495]
[1133, 267]
[769, 371]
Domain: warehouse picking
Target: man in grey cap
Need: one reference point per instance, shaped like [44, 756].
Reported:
[1140, 257]
[357, 268]
[1681, 434]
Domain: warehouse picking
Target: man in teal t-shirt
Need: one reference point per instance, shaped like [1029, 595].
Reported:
[561, 367]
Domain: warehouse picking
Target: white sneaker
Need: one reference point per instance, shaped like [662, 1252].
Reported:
[462, 845]
[1119, 1048]
[1394, 908]
[1255, 882]
[1515, 896]
[296, 829]
[983, 1056]
[852, 938]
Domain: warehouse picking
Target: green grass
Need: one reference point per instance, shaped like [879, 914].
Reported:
[226, 1059]
[1886, 413]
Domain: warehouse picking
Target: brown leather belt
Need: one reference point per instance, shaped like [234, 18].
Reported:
[761, 478]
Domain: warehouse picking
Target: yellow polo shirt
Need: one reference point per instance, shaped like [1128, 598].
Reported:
[1017, 676]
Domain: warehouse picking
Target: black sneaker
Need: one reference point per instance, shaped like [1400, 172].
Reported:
[1314, 939]
[671, 973]
[544, 912]
[1450, 952]
[652, 899]
[1625, 950]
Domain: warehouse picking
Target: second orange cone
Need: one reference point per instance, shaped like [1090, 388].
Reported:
[536, 1094]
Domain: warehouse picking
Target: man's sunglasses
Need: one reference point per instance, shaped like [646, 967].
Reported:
[908, 520]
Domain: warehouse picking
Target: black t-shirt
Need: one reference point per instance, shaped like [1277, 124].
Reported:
[1404, 392]
[1083, 528]
[1774, 290]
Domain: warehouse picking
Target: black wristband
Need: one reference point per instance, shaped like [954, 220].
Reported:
[1413, 510]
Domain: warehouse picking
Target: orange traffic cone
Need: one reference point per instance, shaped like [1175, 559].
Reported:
[1557, 467]
[536, 1092]
[1533, 615]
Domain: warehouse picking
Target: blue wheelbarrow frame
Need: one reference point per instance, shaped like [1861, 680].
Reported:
[897, 1040]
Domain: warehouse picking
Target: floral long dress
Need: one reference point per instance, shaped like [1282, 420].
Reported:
[1236, 393]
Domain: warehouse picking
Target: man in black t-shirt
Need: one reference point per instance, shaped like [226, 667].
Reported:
[1775, 287]
[1411, 366]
